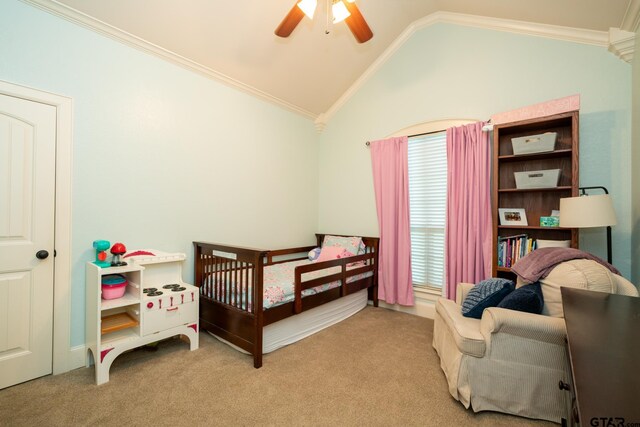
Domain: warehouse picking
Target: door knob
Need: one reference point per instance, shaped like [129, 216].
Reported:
[42, 254]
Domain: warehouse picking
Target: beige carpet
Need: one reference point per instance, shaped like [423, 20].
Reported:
[375, 368]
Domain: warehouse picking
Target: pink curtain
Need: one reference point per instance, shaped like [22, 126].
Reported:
[391, 183]
[469, 227]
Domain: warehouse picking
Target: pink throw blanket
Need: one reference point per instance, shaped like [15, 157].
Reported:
[539, 263]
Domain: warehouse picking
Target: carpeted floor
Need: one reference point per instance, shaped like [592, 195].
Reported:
[375, 368]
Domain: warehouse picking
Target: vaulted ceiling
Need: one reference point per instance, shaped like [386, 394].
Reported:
[309, 71]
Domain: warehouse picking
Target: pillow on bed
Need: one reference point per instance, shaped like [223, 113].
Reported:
[353, 245]
[329, 253]
[314, 254]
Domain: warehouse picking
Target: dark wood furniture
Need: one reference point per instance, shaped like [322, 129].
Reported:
[603, 332]
[536, 202]
[224, 312]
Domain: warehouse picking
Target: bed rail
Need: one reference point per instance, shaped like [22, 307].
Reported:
[369, 266]
[302, 252]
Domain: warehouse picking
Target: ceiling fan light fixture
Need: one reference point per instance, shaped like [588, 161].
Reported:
[339, 11]
[308, 7]
[336, 11]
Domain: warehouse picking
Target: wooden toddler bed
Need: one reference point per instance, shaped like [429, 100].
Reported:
[231, 287]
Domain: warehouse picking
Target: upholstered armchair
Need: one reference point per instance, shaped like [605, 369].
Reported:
[511, 361]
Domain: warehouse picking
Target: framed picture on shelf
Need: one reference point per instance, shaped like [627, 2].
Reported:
[512, 216]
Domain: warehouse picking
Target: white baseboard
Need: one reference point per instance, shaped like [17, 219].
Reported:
[77, 357]
[423, 307]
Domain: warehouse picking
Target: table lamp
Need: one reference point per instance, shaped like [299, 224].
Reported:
[587, 211]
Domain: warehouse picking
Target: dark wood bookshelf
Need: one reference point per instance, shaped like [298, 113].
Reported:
[528, 190]
[536, 202]
[544, 155]
[533, 227]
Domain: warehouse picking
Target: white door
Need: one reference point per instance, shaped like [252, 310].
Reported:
[27, 185]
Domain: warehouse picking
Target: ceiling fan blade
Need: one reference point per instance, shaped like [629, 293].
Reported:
[290, 21]
[357, 23]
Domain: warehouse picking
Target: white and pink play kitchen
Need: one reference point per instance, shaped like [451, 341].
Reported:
[135, 299]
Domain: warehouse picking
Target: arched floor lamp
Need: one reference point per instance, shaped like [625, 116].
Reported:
[587, 211]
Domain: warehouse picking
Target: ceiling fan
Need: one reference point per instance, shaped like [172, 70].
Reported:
[340, 10]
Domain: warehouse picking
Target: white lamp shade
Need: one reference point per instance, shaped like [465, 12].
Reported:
[308, 7]
[339, 11]
[587, 211]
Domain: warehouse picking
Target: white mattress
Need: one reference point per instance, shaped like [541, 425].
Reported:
[294, 328]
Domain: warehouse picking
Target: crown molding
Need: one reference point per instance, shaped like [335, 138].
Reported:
[631, 20]
[576, 35]
[622, 43]
[80, 18]
[619, 43]
[320, 123]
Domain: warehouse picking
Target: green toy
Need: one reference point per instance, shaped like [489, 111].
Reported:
[101, 247]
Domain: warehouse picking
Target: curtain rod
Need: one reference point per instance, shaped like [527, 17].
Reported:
[486, 128]
[368, 143]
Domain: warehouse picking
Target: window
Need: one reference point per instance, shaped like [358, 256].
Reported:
[427, 205]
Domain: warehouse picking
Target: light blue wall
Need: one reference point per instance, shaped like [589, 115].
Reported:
[446, 72]
[163, 156]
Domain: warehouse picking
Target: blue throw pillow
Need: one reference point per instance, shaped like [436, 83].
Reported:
[527, 298]
[487, 293]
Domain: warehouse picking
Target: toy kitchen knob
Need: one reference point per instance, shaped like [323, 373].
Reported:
[149, 304]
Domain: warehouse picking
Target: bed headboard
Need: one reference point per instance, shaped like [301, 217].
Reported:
[371, 243]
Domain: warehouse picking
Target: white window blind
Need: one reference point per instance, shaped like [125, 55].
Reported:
[427, 205]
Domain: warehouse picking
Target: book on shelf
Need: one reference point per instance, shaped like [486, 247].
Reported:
[512, 248]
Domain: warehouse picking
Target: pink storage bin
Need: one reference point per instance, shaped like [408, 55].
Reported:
[114, 286]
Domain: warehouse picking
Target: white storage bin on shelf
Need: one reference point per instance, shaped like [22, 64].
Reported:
[139, 317]
[537, 179]
[534, 143]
